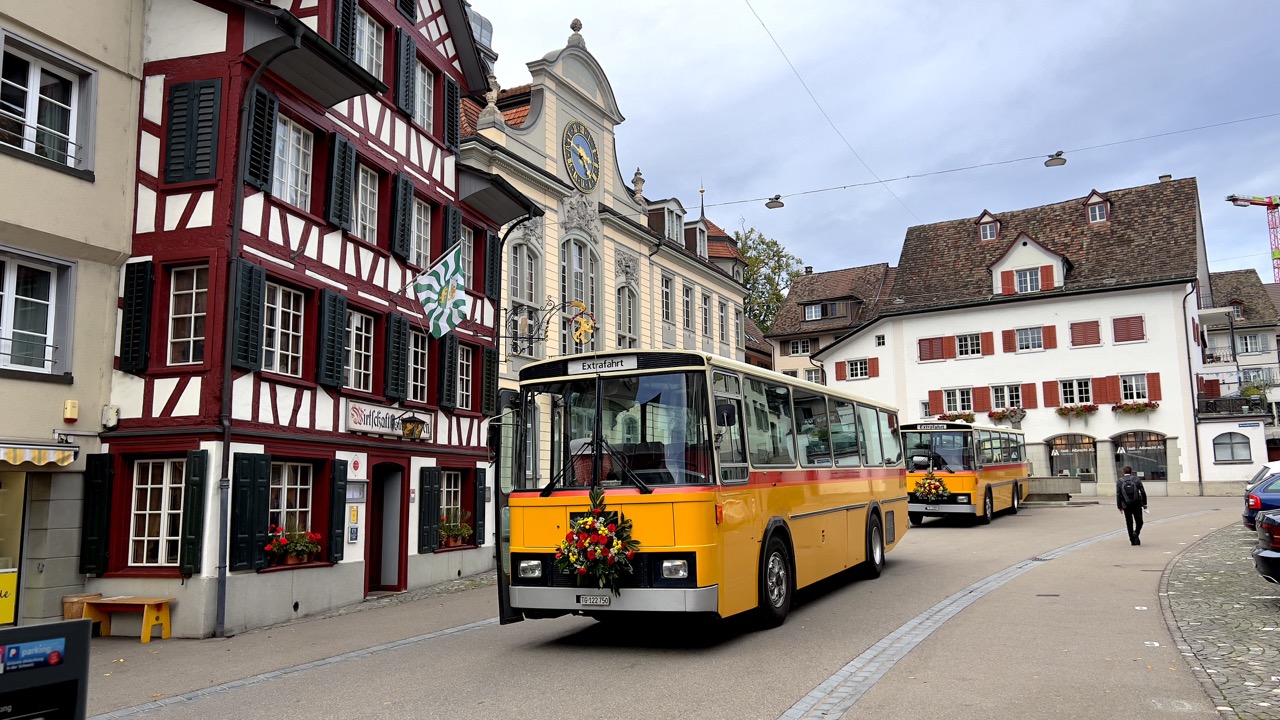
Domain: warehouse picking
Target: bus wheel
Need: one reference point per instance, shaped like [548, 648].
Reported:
[874, 564]
[915, 518]
[1013, 507]
[988, 509]
[775, 582]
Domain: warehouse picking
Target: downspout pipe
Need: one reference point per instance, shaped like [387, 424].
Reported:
[1195, 406]
[228, 330]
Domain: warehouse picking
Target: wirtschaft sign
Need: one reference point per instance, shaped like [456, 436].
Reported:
[378, 420]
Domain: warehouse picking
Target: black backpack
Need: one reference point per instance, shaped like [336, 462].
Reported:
[1129, 489]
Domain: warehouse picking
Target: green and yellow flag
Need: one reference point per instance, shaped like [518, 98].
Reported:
[440, 290]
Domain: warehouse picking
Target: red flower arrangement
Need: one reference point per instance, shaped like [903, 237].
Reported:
[598, 545]
[298, 544]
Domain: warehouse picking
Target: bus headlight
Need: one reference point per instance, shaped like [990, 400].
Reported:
[962, 499]
[529, 569]
[675, 569]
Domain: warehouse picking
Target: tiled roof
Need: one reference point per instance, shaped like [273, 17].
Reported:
[867, 284]
[719, 248]
[1273, 290]
[1244, 286]
[666, 242]
[513, 115]
[714, 230]
[1150, 236]
[755, 338]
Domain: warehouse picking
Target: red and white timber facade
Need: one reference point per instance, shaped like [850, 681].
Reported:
[344, 204]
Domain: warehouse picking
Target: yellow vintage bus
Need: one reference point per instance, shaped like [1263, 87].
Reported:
[984, 468]
[741, 484]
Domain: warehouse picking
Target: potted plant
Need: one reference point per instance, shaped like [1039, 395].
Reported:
[1012, 414]
[1139, 406]
[1076, 411]
[291, 546]
[455, 527]
[964, 416]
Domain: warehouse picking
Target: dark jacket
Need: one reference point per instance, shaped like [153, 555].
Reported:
[1141, 501]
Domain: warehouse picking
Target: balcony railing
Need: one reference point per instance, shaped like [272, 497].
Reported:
[1218, 354]
[1233, 406]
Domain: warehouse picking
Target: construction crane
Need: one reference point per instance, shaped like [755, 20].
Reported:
[1272, 204]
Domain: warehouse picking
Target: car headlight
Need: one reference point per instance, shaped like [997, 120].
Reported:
[675, 569]
[962, 499]
[529, 569]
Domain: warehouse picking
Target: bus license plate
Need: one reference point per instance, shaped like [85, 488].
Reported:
[593, 599]
[930, 507]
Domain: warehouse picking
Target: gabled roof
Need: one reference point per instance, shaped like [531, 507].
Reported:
[1151, 237]
[718, 247]
[864, 287]
[715, 231]
[514, 112]
[1244, 286]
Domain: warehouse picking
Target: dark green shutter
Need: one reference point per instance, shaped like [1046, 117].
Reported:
[337, 510]
[428, 509]
[135, 322]
[95, 521]
[489, 374]
[452, 114]
[406, 69]
[259, 157]
[493, 266]
[342, 181]
[331, 360]
[250, 510]
[344, 26]
[402, 193]
[397, 365]
[251, 286]
[482, 493]
[191, 544]
[409, 9]
[452, 227]
[448, 398]
[191, 139]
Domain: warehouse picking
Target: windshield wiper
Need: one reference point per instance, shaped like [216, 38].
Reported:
[546, 490]
[626, 467]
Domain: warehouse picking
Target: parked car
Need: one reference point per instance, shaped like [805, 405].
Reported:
[1261, 496]
[1258, 477]
[1266, 556]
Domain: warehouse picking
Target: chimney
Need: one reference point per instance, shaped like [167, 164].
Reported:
[1166, 178]
[808, 269]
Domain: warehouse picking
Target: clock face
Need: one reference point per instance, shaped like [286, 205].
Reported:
[580, 157]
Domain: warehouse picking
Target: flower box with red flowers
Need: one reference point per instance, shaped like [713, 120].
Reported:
[598, 549]
[290, 547]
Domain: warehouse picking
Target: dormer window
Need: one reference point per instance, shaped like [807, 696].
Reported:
[987, 231]
[1097, 212]
[1028, 281]
[812, 312]
[675, 225]
[1237, 310]
[702, 243]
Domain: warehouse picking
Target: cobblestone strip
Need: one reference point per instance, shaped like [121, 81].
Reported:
[1227, 621]
[275, 674]
[837, 694]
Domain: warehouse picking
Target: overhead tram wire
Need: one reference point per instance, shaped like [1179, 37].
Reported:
[824, 112]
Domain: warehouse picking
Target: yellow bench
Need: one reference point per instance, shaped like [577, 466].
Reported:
[155, 611]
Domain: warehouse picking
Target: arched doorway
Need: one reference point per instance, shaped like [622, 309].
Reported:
[1143, 451]
[1074, 455]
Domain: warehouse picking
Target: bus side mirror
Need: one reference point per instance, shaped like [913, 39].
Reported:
[726, 415]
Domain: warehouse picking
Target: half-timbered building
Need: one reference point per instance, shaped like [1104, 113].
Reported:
[297, 170]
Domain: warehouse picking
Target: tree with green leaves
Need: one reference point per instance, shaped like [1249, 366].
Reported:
[770, 270]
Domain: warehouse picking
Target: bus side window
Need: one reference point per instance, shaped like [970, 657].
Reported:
[729, 441]
[843, 424]
[869, 434]
[889, 438]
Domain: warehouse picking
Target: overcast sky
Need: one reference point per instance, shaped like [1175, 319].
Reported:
[920, 87]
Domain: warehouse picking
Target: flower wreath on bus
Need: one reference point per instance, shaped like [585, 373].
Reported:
[598, 546]
[930, 489]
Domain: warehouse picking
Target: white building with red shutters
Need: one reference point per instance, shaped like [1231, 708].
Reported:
[1081, 314]
[269, 348]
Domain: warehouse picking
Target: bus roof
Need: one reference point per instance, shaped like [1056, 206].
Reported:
[653, 360]
[952, 425]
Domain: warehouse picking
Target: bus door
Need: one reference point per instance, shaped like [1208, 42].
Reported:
[740, 540]
[505, 431]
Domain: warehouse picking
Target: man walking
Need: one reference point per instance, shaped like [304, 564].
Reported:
[1131, 498]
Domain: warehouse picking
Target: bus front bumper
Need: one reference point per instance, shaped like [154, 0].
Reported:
[694, 600]
[942, 509]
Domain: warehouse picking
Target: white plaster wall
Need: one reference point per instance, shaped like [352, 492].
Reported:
[1025, 255]
[182, 28]
[1232, 472]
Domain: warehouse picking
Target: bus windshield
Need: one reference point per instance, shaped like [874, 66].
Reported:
[949, 450]
[651, 430]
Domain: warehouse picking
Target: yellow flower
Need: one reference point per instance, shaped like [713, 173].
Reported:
[573, 557]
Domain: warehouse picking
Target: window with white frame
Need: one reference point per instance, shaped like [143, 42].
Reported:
[365, 226]
[291, 180]
[1006, 396]
[812, 312]
[1133, 388]
[1237, 310]
[675, 225]
[667, 299]
[1075, 392]
[1231, 447]
[702, 243]
[801, 346]
[468, 256]
[706, 315]
[627, 317]
[879, 341]
[40, 106]
[859, 369]
[465, 374]
[28, 304]
[579, 278]
[968, 345]
[368, 43]
[1251, 343]
[421, 250]
[417, 366]
[987, 231]
[958, 400]
[737, 328]
[523, 275]
[451, 495]
[291, 491]
[1097, 212]
[282, 331]
[688, 308]
[155, 530]
[358, 374]
[724, 322]
[813, 375]
[424, 97]
[1027, 280]
[791, 373]
[1030, 338]
[188, 303]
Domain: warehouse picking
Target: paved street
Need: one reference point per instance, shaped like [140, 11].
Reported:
[1047, 614]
